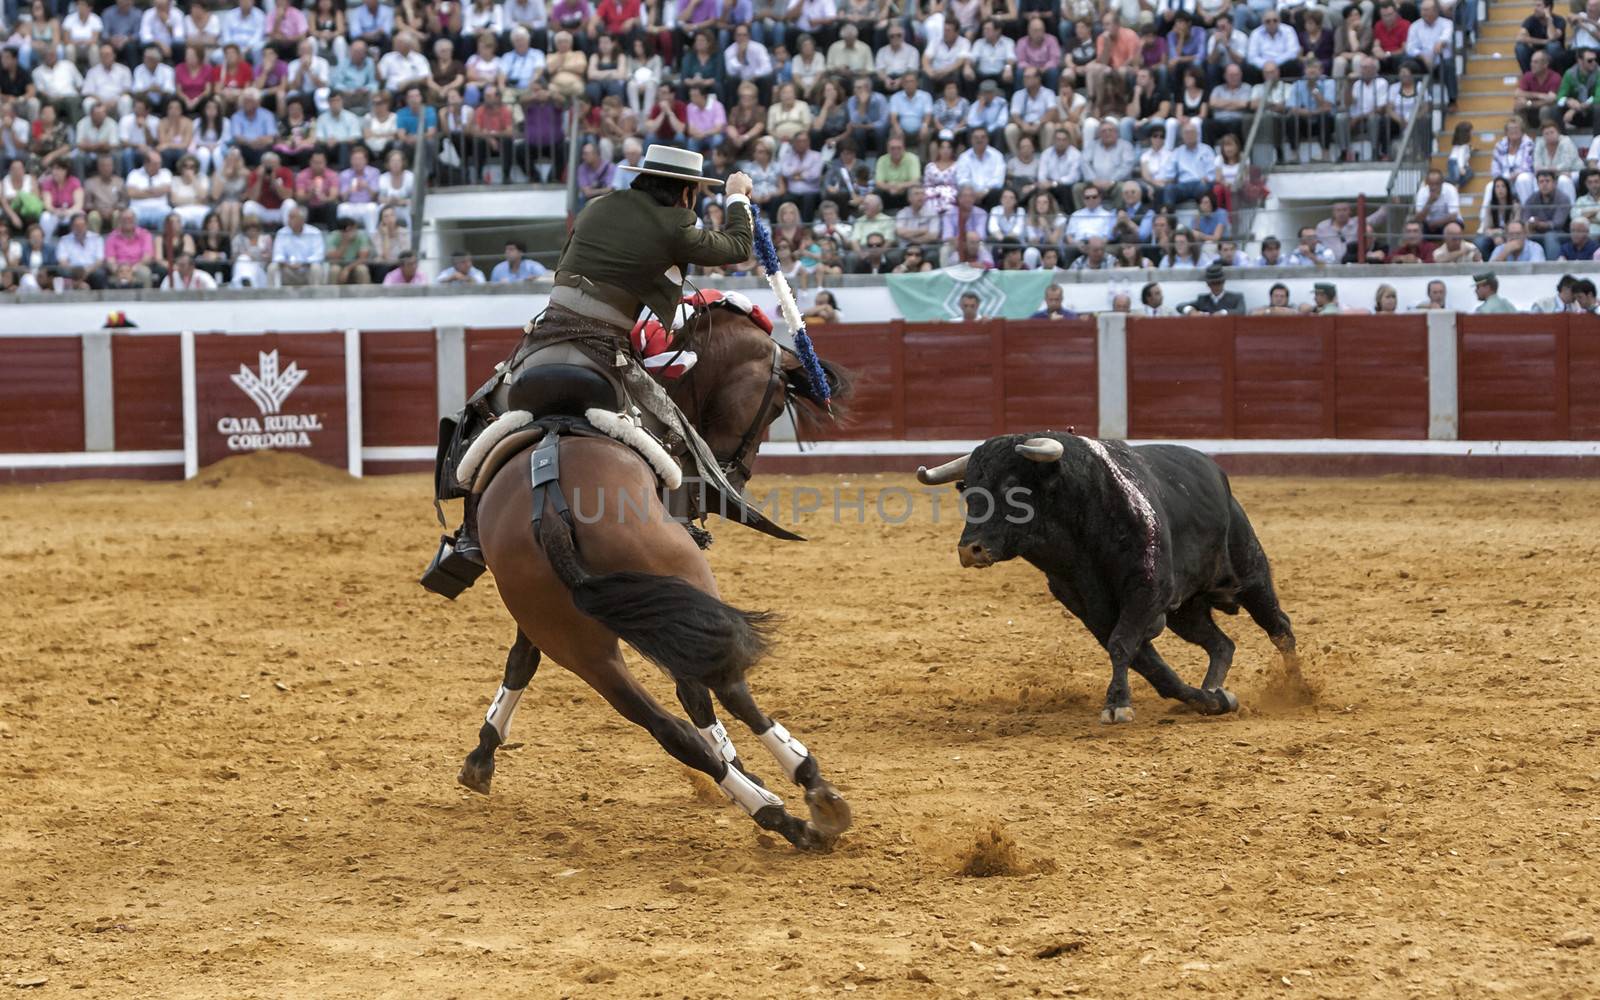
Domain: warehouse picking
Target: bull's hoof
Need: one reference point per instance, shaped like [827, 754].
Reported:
[1113, 716]
[475, 778]
[830, 813]
[1219, 701]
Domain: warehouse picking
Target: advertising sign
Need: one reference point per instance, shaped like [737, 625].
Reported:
[278, 392]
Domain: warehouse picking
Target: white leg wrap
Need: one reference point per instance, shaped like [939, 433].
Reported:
[716, 737]
[789, 752]
[749, 796]
[501, 709]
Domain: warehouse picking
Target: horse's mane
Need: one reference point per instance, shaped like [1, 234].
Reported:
[712, 334]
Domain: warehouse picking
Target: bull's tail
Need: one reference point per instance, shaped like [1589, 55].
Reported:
[680, 628]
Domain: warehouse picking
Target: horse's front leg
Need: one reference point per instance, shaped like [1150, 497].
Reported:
[521, 662]
[830, 813]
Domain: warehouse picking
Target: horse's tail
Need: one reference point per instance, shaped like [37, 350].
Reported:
[680, 628]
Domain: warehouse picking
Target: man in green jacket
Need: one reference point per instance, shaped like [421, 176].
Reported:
[1489, 298]
[1580, 89]
[628, 251]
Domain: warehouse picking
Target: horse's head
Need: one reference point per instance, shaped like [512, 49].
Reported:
[740, 384]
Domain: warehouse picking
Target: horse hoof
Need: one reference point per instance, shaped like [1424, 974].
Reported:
[474, 779]
[830, 813]
[814, 840]
[1113, 716]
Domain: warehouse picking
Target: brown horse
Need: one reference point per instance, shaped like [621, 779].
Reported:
[630, 572]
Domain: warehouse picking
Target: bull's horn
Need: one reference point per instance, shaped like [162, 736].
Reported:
[1041, 449]
[949, 472]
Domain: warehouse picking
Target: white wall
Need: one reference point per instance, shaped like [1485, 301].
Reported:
[860, 299]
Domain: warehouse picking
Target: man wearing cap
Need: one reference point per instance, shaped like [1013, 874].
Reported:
[628, 251]
[1487, 287]
[1326, 297]
[1217, 299]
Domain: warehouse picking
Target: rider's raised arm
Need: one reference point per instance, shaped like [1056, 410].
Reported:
[710, 248]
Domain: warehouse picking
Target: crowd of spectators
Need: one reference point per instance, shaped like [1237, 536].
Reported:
[1572, 295]
[264, 143]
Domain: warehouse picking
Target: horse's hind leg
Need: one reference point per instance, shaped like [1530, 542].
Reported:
[829, 811]
[521, 663]
[696, 700]
[684, 743]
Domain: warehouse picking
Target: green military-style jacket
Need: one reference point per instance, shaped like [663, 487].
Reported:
[630, 241]
[1496, 304]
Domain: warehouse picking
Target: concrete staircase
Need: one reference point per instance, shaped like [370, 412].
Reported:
[1487, 86]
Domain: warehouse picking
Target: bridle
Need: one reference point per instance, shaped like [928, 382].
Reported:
[737, 463]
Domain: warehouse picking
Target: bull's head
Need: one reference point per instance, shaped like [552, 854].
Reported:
[1000, 486]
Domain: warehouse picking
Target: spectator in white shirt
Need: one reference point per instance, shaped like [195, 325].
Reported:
[1431, 40]
[82, 29]
[58, 82]
[1273, 42]
[1437, 204]
[982, 168]
[404, 67]
[148, 187]
[161, 26]
[153, 79]
[460, 271]
[946, 57]
[309, 74]
[896, 59]
[185, 277]
[746, 60]
[1367, 119]
[1060, 167]
[108, 82]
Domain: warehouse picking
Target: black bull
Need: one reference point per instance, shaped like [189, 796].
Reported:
[1132, 540]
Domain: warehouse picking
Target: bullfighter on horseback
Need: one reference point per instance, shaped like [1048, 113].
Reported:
[573, 416]
[628, 250]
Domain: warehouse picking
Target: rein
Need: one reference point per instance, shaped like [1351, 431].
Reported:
[736, 463]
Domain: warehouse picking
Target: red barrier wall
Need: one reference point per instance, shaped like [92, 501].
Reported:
[487, 347]
[41, 394]
[1529, 376]
[942, 381]
[399, 377]
[1271, 377]
[229, 419]
[147, 390]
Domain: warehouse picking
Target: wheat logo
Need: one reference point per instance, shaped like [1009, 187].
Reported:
[270, 388]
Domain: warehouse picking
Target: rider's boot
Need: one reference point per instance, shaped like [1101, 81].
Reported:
[459, 561]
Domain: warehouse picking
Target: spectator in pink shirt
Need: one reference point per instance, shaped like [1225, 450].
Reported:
[706, 120]
[1039, 49]
[407, 273]
[130, 246]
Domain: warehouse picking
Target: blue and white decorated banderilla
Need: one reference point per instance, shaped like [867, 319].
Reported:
[767, 257]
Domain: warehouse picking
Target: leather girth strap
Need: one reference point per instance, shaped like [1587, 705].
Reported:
[546, 475]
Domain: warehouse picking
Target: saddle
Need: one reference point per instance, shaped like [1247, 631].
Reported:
[559, 390]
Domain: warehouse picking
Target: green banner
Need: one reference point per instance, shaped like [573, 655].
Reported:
[936, 295]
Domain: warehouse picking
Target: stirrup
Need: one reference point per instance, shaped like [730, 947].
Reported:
[452, 570]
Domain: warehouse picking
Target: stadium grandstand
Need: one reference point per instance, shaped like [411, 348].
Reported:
[188, 146]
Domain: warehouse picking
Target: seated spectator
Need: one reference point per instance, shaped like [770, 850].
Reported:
[81, 255]
[1536, 90]
[1389, 34]
[868, 117]
[299, 253]
[1487, 288]
[1413, 247]
[913, 261]
[213, 249]
[1543, 30]
[1229, 255]
[1039, 50]
[1210, 225]
[355, 78]
[1217, 300]
[801, 169]
[1580, 246]
[993, 58]
[1580, 89]
[1517, 247]
[108, 83]
[1547, 214]
[748, 60]
[131, 250]
[807, 68]
[1386, 300]
[1500, 207]
[1193, 168]
[516, 266]
[965, 226]
[1562, 301]
[1272, 254]
[1556, 152]
[190, 194]
[1272, 42]
[348, 253]
[1309, 252]
[945, 59]
[1107, 162]
[896, 173]
[1455, 249]
[1437, 203]
[1431, 41]
[254, 128]
[919, 223]
[186, 277]
[1278, 302]
[1186, 252]
[148, 190]
[1093, 219]
[460, 271]
[1367, 106]
[1436, 297]
[1584, 297]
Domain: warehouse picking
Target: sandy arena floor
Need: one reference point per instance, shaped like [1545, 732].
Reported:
[230, 724]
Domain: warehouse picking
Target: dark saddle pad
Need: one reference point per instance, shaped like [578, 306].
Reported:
[562, 390]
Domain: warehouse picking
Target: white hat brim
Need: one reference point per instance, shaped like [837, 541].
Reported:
[711, 181]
